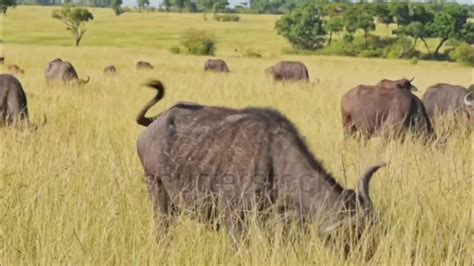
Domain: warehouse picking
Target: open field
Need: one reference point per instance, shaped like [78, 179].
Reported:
[74, 193]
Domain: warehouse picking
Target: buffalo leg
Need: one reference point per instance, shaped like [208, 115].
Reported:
[159, 198]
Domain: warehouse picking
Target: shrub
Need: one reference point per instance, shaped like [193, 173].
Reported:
[399, 48]
[252, 53]
[197, 42]
[371, 53]
[175, 49]
[464, 54]
[227, 18]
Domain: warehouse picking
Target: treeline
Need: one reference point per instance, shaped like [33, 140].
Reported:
[421, 31]
[93, 3]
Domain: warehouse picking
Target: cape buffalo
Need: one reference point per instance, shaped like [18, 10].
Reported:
[62, 71]
[142, 65]
[15, 70]
[288, 71]
[388, 107]
[110, 71]
[400, 84]
[452, 100]
[13, 106]
[216, 65]
[225, 162]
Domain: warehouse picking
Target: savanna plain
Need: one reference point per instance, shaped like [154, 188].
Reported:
[73, 192]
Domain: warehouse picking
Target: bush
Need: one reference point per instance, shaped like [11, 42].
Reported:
[464, 54]
[252, 53]
[197, 42]
[227, 18]
[371, 53]
[397, 49]
[175, 49]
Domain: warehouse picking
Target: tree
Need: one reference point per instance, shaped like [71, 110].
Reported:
[421, 14]
[179, 4]
[400, 12]
[383, 14]
[206, 5]
[142, 4]
[449, 24]
[5, 4]
[191, 6]
[303, 28]
[219, 5]
[334, 24]
[117, 7]
[468, 33]
[417, 31]
[167, 4]
[359, 17]
[74, 19]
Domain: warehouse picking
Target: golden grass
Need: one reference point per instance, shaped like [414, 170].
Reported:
[74, 193]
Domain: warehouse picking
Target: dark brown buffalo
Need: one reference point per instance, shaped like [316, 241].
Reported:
[63, 71]
[450, 100]
[2, 60]
[110, 71]
[15, 70]
[13, 105]
[225, 162]
[388, 107]
[142, 65]
[288, 71]
[216, 65]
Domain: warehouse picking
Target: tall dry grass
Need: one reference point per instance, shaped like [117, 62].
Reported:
[73, 192]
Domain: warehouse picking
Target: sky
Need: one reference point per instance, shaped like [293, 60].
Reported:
[155, 3]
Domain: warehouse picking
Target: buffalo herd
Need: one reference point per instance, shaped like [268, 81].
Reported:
[224, 162]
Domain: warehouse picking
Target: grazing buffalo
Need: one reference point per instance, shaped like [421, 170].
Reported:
[15, 70]
[142, 65]
[224, 162]
[451, 100]
[388, 107]
[2, 60]
[13, 106]
[62, 71]
[216, 65]
[110, 71]
[288, 71]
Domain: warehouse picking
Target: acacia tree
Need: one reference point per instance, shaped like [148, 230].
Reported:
[449, 24]
[75, 20]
